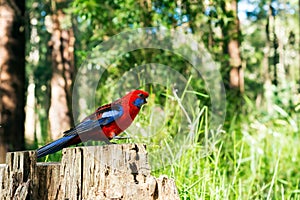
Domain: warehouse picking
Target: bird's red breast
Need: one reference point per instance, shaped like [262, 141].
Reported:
[130, 112]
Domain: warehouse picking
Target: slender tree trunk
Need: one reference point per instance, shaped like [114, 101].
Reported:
[271, 59]
[30, 114]
[12, 76]
[236, 79]
[268, 93]
[62, 45]
[32, 63]
[273, 54]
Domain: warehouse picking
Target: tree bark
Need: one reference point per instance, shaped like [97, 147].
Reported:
[273, 37]
[236, 78]
[62, 45]
[30, 119]
[98, 172]
[12, 76]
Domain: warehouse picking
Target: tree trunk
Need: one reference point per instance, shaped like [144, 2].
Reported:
[98, 172]
[275, 56]
[30, 115]
[268, 93]
[32, 63]
[271, 61]
[62, 45]
[12, 76]
[236, 79]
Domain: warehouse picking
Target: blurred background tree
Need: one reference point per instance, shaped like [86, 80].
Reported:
[63, 69]
[12, 76]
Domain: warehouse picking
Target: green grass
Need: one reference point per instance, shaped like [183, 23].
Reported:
[257, 157]
[237, 170]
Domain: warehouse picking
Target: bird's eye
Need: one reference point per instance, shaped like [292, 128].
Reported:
[141, 95]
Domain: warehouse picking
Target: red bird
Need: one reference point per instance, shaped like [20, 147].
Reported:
[104, 124]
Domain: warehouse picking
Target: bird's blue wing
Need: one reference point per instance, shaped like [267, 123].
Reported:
[106, 117]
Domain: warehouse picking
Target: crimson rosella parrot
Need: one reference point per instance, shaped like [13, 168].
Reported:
[104, 124]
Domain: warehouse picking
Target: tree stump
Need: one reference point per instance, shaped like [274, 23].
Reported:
[97, 172]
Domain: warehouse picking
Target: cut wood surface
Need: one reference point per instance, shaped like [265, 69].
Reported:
[119, 171]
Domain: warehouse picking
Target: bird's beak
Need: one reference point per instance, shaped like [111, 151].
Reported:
[145, 100]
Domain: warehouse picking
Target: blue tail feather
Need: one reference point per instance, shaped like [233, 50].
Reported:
[54, 146]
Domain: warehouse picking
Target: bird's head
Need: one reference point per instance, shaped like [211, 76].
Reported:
[138, 97]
